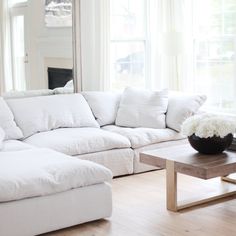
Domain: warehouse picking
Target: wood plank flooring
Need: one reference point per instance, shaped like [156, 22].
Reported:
[140, 210]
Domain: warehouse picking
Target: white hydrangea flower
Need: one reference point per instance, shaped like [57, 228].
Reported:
[208, 125]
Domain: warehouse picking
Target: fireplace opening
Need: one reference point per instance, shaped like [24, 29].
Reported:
[58, 77]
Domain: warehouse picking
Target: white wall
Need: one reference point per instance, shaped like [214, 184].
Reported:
[45, 44]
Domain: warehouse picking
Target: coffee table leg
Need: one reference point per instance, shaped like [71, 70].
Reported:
[171, 186]
[171, 190]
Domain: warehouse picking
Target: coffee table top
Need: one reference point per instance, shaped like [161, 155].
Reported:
[188, 161]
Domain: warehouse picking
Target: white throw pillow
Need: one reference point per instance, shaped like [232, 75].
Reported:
[142, 108]
[7, 122]
[2, 136]
[46, 113]
[104, 105]
[180, 107]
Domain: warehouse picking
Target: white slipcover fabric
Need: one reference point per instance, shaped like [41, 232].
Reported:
[104, 105]
[45, 113]
[2, 136]
[15, 145]
[7, 123]
[140, 137]
[40, 172]
[28, 93]
[180, 107]
[63, 90]
[34, 216]
[140, 167]
[119, 161]
[142, 108]
[75, 141]
[69, 84]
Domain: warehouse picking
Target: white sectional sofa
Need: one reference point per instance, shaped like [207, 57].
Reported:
[83, 125]
[101, 127]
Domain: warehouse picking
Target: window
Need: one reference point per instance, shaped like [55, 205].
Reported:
[136, 57]
[18, 46]
[128, 42]
[215, 52]
[14, 2]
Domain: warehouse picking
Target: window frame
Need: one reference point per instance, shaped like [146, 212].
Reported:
[145, 40]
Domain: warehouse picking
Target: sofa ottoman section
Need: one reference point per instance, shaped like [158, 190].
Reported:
[41, 185]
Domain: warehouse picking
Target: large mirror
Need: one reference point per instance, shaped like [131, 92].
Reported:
[38, 45]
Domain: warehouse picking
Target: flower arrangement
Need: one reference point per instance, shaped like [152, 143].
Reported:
[208, 125]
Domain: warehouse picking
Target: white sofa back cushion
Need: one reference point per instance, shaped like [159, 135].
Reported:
[46, 113]
[7, 122]
[142, 108]
[28, 93]
[2, 136]
[104, 105]
[180, 107]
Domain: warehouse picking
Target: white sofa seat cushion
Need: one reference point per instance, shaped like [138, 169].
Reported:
[45, 113]
[142, 108]
[15, 145]
[2, 136]
[75, 141]
[180, 107]
[104, 105]
[40, 172]
[7, 123]
[140, 137]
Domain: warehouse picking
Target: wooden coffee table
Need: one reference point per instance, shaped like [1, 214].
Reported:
[184, 159]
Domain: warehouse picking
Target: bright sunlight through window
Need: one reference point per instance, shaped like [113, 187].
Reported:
[128, 40]
[215, 47]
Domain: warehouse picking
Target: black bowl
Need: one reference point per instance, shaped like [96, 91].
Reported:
[213, 145]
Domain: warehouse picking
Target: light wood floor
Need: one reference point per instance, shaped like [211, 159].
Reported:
[139, 210]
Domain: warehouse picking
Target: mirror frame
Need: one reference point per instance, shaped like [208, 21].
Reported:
[76, 42]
